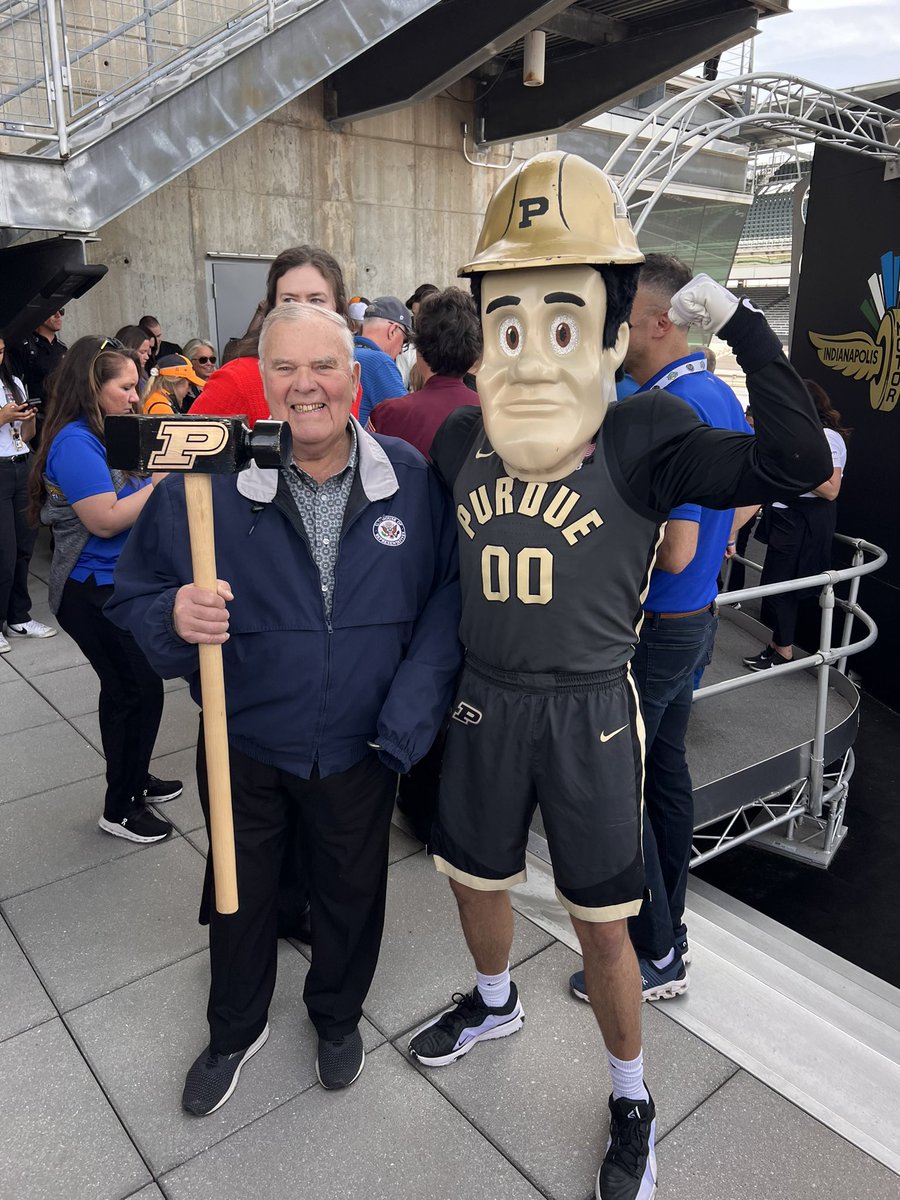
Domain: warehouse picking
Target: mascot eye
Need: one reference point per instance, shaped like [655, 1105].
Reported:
[511, 336]
[564, 334]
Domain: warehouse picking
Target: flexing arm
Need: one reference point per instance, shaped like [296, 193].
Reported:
[684, 460]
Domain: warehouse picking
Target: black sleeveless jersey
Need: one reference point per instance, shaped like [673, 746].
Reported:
[553, 572]
[553, 575]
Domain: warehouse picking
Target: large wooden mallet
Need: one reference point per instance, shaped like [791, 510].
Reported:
[200, 447]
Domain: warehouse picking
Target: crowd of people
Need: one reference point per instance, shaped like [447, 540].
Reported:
[415, 536]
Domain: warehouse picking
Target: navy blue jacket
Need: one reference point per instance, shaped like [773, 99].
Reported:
[301, 690]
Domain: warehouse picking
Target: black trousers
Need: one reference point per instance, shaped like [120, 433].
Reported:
[131, 693]
[799, 543]
[16, 543]
[344, 825]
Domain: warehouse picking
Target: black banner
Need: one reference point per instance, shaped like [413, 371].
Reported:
[846, 337]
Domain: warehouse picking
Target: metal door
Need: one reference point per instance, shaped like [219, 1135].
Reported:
[235, 288]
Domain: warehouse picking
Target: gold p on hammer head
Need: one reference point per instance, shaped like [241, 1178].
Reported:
[208, 445]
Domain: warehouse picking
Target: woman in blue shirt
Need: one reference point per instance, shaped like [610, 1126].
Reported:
[91, 509]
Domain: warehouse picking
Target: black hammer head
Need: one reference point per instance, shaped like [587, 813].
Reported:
[211, 445]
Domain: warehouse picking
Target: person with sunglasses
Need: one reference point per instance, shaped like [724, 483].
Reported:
[387, 327]
[203, 358]
[35, 357]
[91, 509]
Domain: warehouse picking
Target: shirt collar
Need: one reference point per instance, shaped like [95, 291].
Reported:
[376, 473]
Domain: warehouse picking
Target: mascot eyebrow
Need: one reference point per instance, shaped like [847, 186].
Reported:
[502, 302]
[550, 298]
[563, 298]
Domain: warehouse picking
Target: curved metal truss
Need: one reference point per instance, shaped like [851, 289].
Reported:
[764, 111]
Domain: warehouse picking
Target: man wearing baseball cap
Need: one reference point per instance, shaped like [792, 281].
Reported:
[387, 325]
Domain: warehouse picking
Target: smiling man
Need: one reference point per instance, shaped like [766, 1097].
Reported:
[337, 609]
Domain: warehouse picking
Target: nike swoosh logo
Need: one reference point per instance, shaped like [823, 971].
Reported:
[605, 737]
[485, 454]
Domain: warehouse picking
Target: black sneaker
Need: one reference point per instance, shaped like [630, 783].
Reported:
[453, 1033]
[213, 1077]
[628, 1170]
[138, 825]
[158, 791]
[769, 657]
[340, 1063]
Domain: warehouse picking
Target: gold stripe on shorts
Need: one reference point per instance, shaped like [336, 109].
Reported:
[475, 881]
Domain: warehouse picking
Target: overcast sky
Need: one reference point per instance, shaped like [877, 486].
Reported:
[839, 43]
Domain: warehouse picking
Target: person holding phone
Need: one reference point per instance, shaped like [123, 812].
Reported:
[91, 509]
[17, 426]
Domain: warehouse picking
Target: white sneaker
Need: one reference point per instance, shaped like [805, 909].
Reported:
[5, 647]
[32, 629]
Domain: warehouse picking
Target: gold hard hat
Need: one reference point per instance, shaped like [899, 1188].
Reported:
[557, 209]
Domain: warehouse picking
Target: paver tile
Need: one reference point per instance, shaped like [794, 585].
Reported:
[748, 1143]
[141, 1040]
[23, 1002]
[389, 1137]
[60, 755]
[98, 930]
[55, 834]
[74, 691]
[423, 955]
[540, 1095]
[59, 1138]
[23, 711]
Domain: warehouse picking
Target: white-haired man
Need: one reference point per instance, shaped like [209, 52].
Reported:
[337, 609]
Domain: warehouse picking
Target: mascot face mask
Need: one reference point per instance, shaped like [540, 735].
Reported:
[545, 380]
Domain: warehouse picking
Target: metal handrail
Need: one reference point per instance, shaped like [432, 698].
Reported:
[823, 659]
[66, 112]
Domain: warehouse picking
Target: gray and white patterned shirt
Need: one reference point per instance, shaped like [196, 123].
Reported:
[321, 507]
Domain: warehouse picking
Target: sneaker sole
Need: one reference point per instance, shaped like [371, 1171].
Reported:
[34, 636]
[666, 991]
[513, 1025]
[579, 995]
[5, 649]
[257, 1045]
[336, 1087]
[128, 834]
[163, 799]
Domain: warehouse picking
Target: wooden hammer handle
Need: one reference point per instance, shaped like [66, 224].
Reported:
[198, 493]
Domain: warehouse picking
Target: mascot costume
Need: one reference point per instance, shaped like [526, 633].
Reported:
[561, 499]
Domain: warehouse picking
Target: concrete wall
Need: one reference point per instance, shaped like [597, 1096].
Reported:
[392, 198]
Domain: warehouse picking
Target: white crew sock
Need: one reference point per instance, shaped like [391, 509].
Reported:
[662, 963]
[627, 1077]
[494, 988]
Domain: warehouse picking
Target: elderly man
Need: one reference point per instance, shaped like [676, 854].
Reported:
[337, 609]
[386, 326]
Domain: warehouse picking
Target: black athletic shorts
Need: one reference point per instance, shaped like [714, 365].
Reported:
[573, 744]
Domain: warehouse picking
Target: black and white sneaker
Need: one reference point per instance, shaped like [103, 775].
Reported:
[453, 1033]
[138, 825]
[213, 1077]
[158, 791]
[767, 658]
[628, 1170]
[340, 1063]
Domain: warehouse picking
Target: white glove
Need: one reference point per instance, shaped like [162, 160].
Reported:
[703, 302]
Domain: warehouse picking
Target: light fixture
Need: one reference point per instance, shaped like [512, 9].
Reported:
[533, 62]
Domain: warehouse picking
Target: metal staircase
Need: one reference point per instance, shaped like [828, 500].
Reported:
[102, 104]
